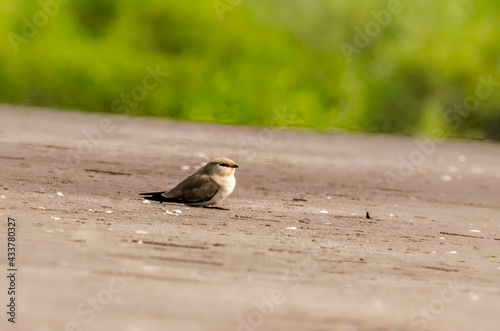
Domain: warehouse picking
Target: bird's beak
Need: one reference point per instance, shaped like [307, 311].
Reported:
[235, 166]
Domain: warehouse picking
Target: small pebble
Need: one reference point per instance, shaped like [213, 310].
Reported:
[475, 231]
[60, 194]
[323, 212]
[146, 201]
[476, 170]
[446, 178]
[41, 207]
[452, 252]
[108, 211]
[142, 232]
[170, 213]
[442, 238]
[186, 167]
[291, 228]
[56, 218]
[178, 211]
[473, 296]
[2, 196]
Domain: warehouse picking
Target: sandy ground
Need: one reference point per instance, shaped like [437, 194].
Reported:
[95, 257]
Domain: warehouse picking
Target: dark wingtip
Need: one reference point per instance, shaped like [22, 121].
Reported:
[154, 196]
[158, 196]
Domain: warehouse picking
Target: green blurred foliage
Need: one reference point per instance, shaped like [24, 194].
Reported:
[232, 61]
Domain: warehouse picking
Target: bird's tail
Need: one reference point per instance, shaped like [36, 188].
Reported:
[152, 193]
[158, 196]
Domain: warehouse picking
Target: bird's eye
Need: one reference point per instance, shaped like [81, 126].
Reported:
[222, 165]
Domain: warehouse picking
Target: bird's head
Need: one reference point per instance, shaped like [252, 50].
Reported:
[221, 166]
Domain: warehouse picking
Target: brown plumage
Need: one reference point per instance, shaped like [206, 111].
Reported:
[208, 186]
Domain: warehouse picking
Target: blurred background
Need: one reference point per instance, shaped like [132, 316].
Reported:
[402, 67]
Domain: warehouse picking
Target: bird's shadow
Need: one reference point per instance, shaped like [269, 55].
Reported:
[214, 207]
[162, 201]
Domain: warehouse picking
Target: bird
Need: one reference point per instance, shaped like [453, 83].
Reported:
[209, 186]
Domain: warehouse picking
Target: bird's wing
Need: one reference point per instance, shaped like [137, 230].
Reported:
[195, 188]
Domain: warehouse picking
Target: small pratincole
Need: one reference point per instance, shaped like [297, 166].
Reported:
[208, 186]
